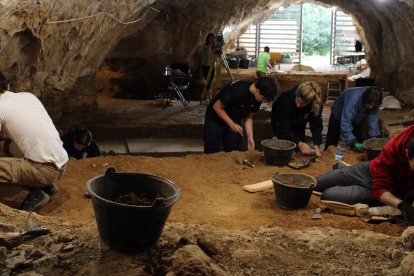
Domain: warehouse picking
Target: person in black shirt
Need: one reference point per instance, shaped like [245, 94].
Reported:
[79, 144]
[293, 110]
[235, 102]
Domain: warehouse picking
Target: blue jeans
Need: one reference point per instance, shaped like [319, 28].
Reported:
[218, 136]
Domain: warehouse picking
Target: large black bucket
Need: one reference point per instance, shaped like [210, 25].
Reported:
[293, 190]
[131, 227]
[278, 152]
[374, 146]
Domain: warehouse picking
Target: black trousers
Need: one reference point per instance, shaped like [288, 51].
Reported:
[218, 136]
[334, 131]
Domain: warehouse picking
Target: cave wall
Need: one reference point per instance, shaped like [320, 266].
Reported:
[58, 61]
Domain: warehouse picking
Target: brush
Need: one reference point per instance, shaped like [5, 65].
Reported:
[344, 209]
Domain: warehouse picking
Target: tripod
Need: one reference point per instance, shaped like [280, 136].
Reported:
[216, 63]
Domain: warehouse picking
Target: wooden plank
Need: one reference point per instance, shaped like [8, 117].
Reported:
[257, 187]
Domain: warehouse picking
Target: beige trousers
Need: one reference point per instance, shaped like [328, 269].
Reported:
[18, 175]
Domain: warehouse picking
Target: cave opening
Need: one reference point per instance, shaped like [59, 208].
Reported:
[132, 71]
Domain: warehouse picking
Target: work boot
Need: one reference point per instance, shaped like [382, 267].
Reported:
[35, 200]
[340, 165]
[51, 189]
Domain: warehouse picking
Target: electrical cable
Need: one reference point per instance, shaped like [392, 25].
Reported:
[104, 13]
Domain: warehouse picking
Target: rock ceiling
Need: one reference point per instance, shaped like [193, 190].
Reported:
[54, 48]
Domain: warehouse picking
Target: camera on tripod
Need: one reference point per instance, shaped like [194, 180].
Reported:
[219, 43]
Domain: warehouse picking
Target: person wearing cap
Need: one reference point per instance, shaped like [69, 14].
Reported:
[236, 102]
[350, 111]
[79, 144]
[35, 154]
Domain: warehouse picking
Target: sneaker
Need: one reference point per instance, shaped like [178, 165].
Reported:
[340, 165]
[51, 189]
[35, 200]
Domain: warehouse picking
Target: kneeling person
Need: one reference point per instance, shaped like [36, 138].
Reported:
[39, 159]
[293, 110]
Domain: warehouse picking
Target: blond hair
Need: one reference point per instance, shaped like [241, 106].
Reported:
[310, 93]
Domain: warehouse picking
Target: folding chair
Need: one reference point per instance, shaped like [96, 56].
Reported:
[179, 77]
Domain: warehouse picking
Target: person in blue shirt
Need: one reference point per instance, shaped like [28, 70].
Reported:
[348, 114]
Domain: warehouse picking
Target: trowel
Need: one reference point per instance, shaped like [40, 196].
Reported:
[32, 228]
[245, 161]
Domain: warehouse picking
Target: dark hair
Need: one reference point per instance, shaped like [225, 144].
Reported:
[3, 83]
[266, 49]
[373, 95]
[208, 38]
[82, 136]
[410, 148]
[268, 87]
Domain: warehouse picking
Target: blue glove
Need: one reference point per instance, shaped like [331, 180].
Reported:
[359, 147]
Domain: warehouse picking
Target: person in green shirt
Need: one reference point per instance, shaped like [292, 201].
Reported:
[263, 61]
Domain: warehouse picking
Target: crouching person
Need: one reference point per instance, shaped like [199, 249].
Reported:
[37, 157]
[387, 179]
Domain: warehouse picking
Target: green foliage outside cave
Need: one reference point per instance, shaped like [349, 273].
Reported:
[316, 30]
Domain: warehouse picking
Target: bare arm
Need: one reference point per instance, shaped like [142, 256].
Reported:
[318, 151]
[219, 109]
[248, 124]
[389, 199]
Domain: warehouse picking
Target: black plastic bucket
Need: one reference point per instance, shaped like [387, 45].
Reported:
[374, 146]
[293, 190]
[233, 62]
[131, 227]
[278, 152]
[244, 63]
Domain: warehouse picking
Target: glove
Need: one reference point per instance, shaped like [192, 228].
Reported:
[358, 146]
[407, 211]
[409, 197]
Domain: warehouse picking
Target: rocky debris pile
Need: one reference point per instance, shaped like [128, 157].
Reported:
[188, 249]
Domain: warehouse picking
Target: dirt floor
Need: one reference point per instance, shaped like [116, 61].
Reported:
[211, 188]
[215, 228]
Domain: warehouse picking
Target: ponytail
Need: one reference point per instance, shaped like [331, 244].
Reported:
[310, 93]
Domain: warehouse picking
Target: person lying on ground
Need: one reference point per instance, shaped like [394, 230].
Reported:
[387, 179]
[79, 144]
[354, 117]
[235, 102]
[293, 110]
[37, 159]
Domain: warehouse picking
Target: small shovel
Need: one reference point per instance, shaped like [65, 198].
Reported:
[244, 161]
[34, 232]
[32, 228]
